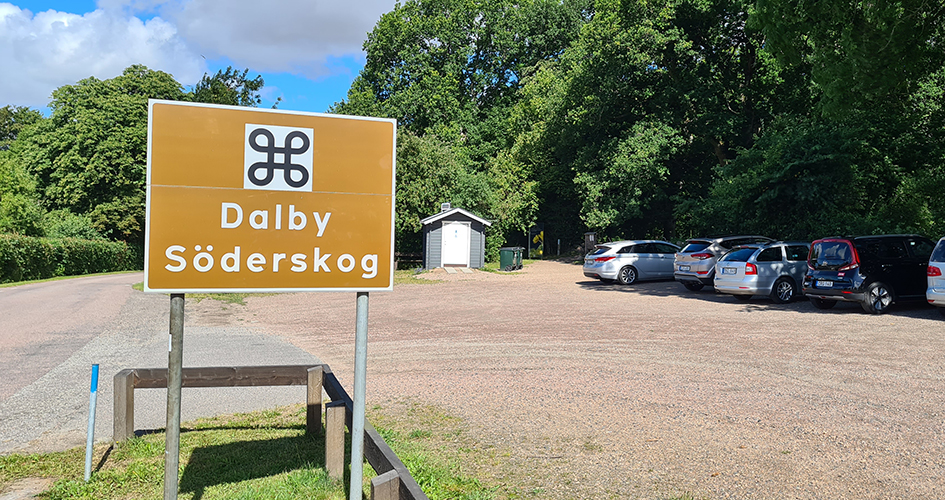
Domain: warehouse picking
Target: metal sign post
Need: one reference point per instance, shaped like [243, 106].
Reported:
[175, 356]
[360, 382]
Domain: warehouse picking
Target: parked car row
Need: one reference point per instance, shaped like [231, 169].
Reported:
[627, 262]
[874, 271]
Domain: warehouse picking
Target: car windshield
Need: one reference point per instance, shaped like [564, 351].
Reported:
[695, 246]
[600, 249]
[938, 255]
[739, 255]
[830, 255]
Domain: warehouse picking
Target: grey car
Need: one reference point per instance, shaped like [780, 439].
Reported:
[630, 261]
[695, 263]
[774, 269]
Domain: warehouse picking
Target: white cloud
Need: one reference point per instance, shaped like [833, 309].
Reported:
[278, 35]
[41, 52]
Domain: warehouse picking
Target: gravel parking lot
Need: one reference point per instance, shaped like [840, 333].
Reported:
[577, 389]
[650, 390]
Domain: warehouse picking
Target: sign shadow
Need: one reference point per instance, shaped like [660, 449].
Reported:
[238, 461]
[801, 304]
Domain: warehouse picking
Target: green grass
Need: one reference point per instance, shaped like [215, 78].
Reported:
[266, 454]
[424, 438]
[228, 298]
[258, 455]
[60, 278]
[409, 277]
[263, 454]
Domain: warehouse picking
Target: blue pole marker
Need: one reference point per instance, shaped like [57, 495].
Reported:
[93, 399]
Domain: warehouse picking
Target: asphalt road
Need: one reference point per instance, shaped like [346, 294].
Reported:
[52, 333]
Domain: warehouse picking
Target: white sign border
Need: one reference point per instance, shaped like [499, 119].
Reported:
[147, 232]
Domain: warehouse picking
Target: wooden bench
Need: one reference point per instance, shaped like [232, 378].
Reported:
[316, 377]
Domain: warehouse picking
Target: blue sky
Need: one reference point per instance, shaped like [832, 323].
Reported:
[308, 51]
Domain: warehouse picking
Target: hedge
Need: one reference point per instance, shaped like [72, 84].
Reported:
[24, 258]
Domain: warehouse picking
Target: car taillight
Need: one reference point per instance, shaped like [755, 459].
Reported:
[702, 256]
[855, 263]
[605, 259]
[751, 269]
[934, 271]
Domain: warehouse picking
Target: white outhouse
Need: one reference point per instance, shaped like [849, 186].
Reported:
[454, 238]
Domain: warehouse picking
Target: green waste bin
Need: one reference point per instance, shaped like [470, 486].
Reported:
[510, 258]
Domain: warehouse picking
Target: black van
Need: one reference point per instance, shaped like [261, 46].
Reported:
[875, 271]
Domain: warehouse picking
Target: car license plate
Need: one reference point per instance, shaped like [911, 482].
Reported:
[588, 262]
[683, 268]
[728, 270]
[824, 284]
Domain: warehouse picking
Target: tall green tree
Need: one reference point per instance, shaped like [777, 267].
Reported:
[12, 120]
[633, 118]
[89, 157]
[87, 161]
[434, 62]
[450, 72]
[229, 86]
[862, 54]
[874, 129]
[429, 172]
[20, 209]
[646, 104]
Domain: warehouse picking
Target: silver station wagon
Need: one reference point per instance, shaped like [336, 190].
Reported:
[774, 269]
[630, 261]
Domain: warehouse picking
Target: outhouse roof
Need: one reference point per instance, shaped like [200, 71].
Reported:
[442, 215]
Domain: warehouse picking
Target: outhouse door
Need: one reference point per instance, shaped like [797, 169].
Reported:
[455, 250]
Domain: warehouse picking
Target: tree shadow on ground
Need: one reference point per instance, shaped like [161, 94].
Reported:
[672, 288]
[246, 460]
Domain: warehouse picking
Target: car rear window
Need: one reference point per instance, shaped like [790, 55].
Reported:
[695, 246]
[938, 255]
[797, 253]
[921, 248]
[830, 255]
[740, 255]
[600, 249]
[770, 255]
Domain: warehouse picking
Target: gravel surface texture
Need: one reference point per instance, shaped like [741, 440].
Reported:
[649, 390]
[599, 391]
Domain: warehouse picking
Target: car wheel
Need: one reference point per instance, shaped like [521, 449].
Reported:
[695, 287]
[627, 275]
[878, 298]
[822, 303]
[743, 298]
[783, 290]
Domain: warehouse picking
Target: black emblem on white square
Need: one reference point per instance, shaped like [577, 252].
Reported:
[278, 158]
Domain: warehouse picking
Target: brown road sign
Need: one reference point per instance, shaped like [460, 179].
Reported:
[244, 199]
